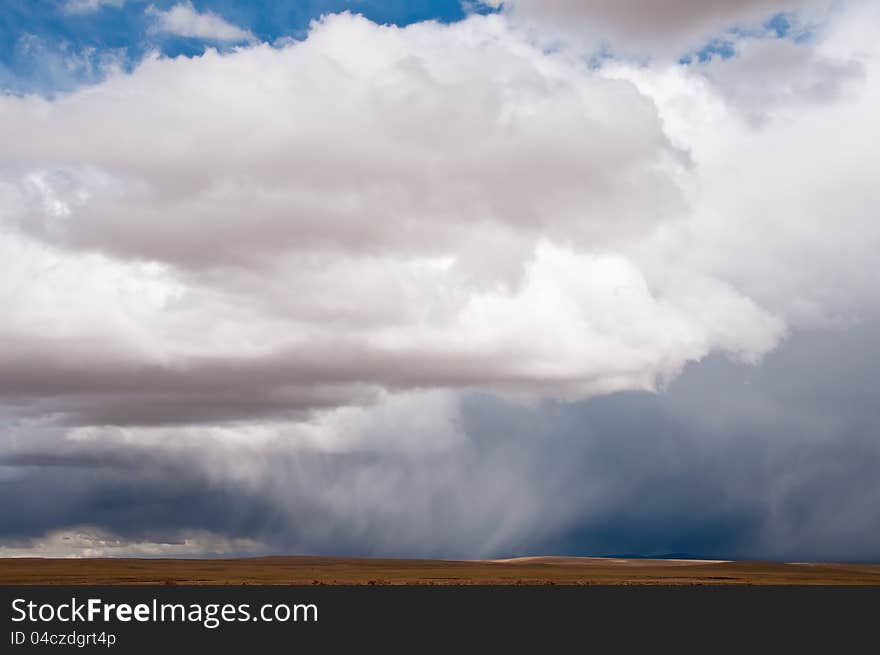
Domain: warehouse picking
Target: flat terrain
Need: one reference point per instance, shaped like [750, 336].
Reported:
[346, 571]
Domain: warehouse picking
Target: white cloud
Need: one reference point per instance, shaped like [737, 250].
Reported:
[372, 208]
[785, 211]
[273, 230]
[184, 20]
[87, 6]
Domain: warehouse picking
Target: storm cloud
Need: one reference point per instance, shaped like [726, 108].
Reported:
[731, 461]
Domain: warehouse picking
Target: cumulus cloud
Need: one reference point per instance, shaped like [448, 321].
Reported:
[661, 27]
[798, 189]
[304, 234]
[184, 20]
[363, 138]
[347, 214]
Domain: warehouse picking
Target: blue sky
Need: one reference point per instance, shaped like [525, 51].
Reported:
[45, 48]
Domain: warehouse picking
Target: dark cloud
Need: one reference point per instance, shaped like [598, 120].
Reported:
[133, 494]
[777, 461]
[660, 27]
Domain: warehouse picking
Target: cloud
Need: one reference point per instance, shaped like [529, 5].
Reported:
[398, 291]
[294, 237]
[87, 541]
[55, 65]
[183, 20]
[731, 461]
[772, 77]
[316, 226]
[796, 189]
[662, 27]
[88, 6]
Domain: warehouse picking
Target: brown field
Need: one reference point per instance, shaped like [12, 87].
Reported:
[348, 571]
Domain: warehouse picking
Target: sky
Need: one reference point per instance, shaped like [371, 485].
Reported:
[440, 279]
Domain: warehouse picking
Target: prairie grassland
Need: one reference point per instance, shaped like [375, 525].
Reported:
[351, 571]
